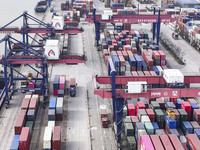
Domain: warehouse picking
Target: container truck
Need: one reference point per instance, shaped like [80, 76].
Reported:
[104, 116]
[72, 87]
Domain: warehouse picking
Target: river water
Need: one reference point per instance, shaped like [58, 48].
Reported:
[11, 9]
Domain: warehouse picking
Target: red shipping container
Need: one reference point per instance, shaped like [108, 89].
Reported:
[133, 68]
[156, 142]
[129, 53]
[140, 73]
[120, 49]
[186, 105]
[162, 62]
[117, 38]
[149, 61]
[162, 55]
[151, 114]
[31, 85]
[127, 41]
[166, 142]
[167, 128]
[59, 117]
[122, 60]
[114, 41]
[146, 73]
[55, 92]
[56, 140]
[197, 114]
[177, 114]
[131, 109]
[195, 125]
[63, 80]
[176, 142]
[150, 68]
[153, 73]
[134, 119]
[134, 73]
[193, 142]
[119, 53]
[111, 48]
[134, 50]
[33, 103]
[161, 102]
[156, 55]
[23, 112]
[21, 119]
[24, 140]
[174, 100]
[105, 53]
[25, 103]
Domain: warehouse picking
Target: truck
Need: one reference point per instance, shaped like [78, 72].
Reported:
[72, 89]
[104, 116]
[175, 35]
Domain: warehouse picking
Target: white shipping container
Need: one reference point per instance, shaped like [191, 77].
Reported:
[173, 76]
[141, 132]
[123, 68]
[47, 138]
[35, 96]
[59, 105]
[27, 96]
[160, 70]
[51, 124]
[125, 111]
[52, 49]
[58, 22]
[145, 119]
[137, 87]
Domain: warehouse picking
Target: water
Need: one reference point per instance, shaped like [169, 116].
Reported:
[11, 9]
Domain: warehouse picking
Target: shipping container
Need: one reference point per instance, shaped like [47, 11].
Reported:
[51, 114]
[129, 129]
[166, 142]
[156, 142]
[146, 143]
[20, 122]
[24, 140]
[175, 142]
[47, 138]
[193, 142]
[52, 103]
[30, 115]
[25, 103]
[15, 143]
[131, 143]
[131, 109]
[56, 139]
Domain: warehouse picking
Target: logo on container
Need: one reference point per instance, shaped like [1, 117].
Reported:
[156, 94]
[51, 52]
[57, 24]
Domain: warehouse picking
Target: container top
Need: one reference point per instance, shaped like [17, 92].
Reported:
[24, 134]
[31, 112]
[56, 133]
[15, 143]
[52, 103]
[146, 142]
[59, 102]
[131, 106]
[176, 142]
[155, 125]
[139, 125]
[128, 125]
[156, 142]
[27, 96]
[187, 124]
[51, 123]
[52, 42]
[72, 82]
[47, 134]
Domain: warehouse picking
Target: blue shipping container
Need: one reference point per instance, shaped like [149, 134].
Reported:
[52, 103]
[15, 143]
[139, 60]
[174, 131]
[132, 60]
[116, 61]
[170, 122]
[179, 103]
[187, 128]
[156, 70]
[155, 126]
[197, 132]
[170, 105]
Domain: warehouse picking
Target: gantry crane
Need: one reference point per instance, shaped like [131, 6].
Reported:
[118, 95]
[115, 18]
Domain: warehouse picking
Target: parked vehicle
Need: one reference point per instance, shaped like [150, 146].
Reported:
[72, 87]
[104, 116]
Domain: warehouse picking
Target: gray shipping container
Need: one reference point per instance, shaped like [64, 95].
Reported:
[131, 143]
[30, 115]
[129, 129]
[51, 114]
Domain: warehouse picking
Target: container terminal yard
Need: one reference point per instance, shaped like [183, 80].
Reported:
[99, 75]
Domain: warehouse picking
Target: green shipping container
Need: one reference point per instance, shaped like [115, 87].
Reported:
[149, 128]
[30, 125]
[183, 115]
[129, 130]
[127, 120]
[131, 143]
[155, 105]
